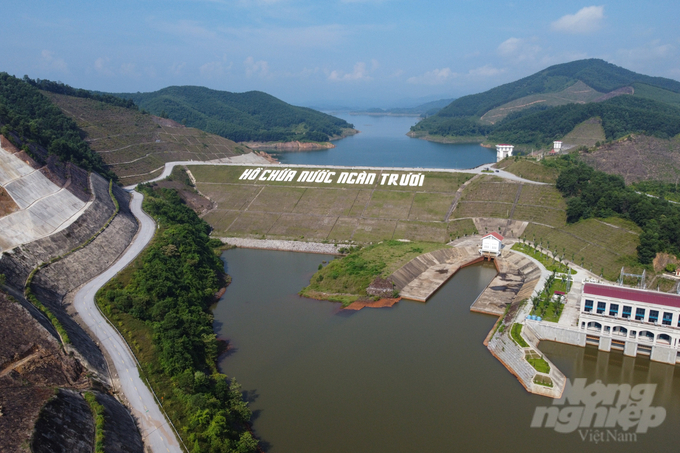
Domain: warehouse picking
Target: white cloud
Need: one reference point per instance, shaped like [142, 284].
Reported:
[256, 68]
[434, 77]
[129, 69]
[650, 51]
[214, 69]
[586, 20]
[101, 65]
[49, 62]
[360, 72]
[177, 68]
[519, 50]
[485, 71]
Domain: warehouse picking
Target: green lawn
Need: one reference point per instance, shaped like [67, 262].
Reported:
[345, 279]
[516, 335]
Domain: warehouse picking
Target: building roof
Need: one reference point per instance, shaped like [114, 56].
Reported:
[633, 295]
[503, 144]
[495, 235]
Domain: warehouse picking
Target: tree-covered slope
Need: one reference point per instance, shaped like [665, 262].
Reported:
[251, 116]
[462, 117]
[620, 116]
[24, 111]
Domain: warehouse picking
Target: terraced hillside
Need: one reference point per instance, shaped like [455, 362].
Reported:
[136, 145]
[331, 212]
[448, 205]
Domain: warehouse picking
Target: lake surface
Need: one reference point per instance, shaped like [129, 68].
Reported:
[411, 378]
[383, 142]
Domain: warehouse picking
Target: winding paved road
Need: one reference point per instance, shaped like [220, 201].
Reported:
[156, 432]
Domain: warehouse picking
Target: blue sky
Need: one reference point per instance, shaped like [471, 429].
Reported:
[345, 52]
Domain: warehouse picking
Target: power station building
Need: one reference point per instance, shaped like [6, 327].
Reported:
[632, 320]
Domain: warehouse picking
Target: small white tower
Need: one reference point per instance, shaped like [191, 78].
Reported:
[557, 146]
[503, 151]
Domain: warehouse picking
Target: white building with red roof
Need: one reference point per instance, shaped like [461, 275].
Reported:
[503, 151]
[632, 320]
[492, 245]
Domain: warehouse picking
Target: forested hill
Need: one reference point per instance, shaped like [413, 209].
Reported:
[31, 120]
[583, 83]
[242, 117]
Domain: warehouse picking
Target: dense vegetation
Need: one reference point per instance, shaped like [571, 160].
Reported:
[592, 193]
[651, 111]
[620, 116]
[251, 116]
[168, 293]
[25, 112]
[62, 88]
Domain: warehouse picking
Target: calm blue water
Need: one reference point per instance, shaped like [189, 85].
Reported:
[383, 143]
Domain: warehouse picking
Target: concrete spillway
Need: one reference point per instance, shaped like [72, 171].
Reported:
[45, 208]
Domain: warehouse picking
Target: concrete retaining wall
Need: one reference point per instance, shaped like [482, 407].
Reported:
[543, 331]
[18, 263]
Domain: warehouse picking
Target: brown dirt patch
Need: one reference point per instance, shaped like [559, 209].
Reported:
[7, 205]
[638, 158]
[31, 366]
[382, 303]
[193, 199]
[7, 145]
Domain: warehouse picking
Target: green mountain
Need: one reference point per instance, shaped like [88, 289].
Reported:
[33, 123]
[546, 105]
[241, 117]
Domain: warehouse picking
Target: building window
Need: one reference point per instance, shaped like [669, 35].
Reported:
[653, 315]
[627, 310]
[613, 309]
[667, 318]
[601, 306]
[589, 305]
[639, 314]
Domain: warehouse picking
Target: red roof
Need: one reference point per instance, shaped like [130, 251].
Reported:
[503, 144]
[634, 295]
[494, 234]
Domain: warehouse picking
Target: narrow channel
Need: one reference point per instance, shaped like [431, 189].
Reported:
[411, 378]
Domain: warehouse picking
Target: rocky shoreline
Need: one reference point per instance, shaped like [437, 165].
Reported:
[287, 246]
[289, 146]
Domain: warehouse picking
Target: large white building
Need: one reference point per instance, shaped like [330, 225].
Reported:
[632, 320]
[503, 151]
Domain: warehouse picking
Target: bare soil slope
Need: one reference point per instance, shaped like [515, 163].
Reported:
[31, 365]
[638, 158]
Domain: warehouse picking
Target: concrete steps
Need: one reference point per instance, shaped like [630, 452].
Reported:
[512, 356]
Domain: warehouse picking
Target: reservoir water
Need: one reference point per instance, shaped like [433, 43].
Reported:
[383, 142]
[411, 378]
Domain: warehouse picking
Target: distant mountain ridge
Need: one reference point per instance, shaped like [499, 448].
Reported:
[253, 116]
[423, 110]
[518, 110]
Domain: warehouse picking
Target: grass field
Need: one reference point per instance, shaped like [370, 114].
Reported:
[345, 280]
[320, 211]
[604, 249]
[588, 133]
[134, 144]
[529, 169]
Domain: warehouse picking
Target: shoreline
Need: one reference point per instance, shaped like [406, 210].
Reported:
[283, 245]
